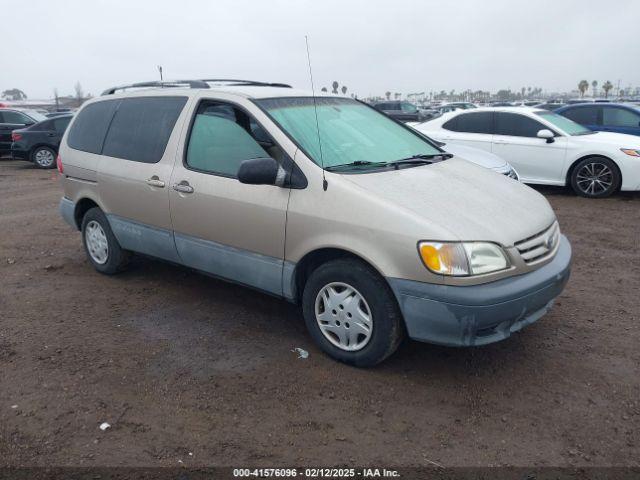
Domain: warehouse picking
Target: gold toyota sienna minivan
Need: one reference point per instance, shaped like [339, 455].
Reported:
[367, 224]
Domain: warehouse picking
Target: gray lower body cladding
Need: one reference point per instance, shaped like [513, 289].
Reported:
[481, 314]
[442, 314]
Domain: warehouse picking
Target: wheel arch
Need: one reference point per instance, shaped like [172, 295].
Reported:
[313, 259]
[81, 208]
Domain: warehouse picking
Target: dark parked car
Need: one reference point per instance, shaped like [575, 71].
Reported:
[605, 117]
[12, 119]
[549, 105]
[39, 143]
[402, 111]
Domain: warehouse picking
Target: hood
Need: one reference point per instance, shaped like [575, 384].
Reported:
[479, 157]
[618, 140]
[469, 201]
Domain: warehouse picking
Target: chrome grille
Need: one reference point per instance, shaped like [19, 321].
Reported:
[540, 245]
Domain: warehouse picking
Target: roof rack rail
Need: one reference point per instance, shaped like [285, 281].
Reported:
[251, 83]
[194, 84]
[168, 84]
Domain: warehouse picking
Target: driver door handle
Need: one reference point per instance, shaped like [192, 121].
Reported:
[155, 182]
[183, 187]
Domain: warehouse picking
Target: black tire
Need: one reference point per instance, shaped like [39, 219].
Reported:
[590, 176]
[117, 258]
[44, 157]
[387, 326]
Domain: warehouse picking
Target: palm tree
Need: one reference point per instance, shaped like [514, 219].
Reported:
[606, 87]
[594, 87]
[335, 86]
[344, 90]
[387, 94]
[583, 86]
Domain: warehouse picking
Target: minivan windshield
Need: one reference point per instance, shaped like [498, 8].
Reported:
[350, 133]
[563, 123]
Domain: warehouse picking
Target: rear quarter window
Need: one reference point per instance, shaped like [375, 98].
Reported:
[90, 126]
[141, 128]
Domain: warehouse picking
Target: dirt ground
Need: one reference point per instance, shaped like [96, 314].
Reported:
[189, 369]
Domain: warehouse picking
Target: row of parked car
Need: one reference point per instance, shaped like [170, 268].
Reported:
[585, 145]
[30, 135]
[506, 140]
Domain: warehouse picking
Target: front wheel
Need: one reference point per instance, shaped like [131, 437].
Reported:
[352, 313]
[44, 157]
[595, 177]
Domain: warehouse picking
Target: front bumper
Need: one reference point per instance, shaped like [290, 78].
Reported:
[481, 314]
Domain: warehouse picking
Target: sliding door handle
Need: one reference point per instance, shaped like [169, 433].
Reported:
[183, 187]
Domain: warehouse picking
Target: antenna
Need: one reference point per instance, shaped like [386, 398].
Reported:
[315, 109]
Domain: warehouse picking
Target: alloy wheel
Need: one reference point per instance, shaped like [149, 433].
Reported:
[594, 178]
[44, 158]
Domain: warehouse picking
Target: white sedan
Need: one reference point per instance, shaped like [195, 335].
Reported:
[545, 148]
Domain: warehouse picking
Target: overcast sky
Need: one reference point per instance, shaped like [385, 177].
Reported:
[369, 45]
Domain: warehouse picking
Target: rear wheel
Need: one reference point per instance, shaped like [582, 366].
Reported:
[44, 157]
[595, 177]
[352, 313]
[100, 244]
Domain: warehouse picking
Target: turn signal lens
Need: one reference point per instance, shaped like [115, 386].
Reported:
[59, 164]
[630, 151]
[462, 259]
[445, 258]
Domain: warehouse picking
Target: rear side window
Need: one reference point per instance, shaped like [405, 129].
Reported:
[61, 124]
[43, 126]
[141, 128]
[582, 115]
[516, 125]
[477, 122]
[91, 124]
[620, 117]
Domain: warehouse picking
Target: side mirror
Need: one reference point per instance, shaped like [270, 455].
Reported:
[261, 171]
[546, 134]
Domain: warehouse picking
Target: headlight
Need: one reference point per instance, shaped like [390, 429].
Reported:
[462, 258]
[629, 151]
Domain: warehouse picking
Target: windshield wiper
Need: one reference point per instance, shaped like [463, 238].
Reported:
[420, 158]
[357, 163]
[414, 159]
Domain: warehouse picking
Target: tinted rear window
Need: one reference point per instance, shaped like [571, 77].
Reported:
[516, 125]
[583, 115]
[477, 122]
[61, 124]
[141, 128]
[88, 130]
